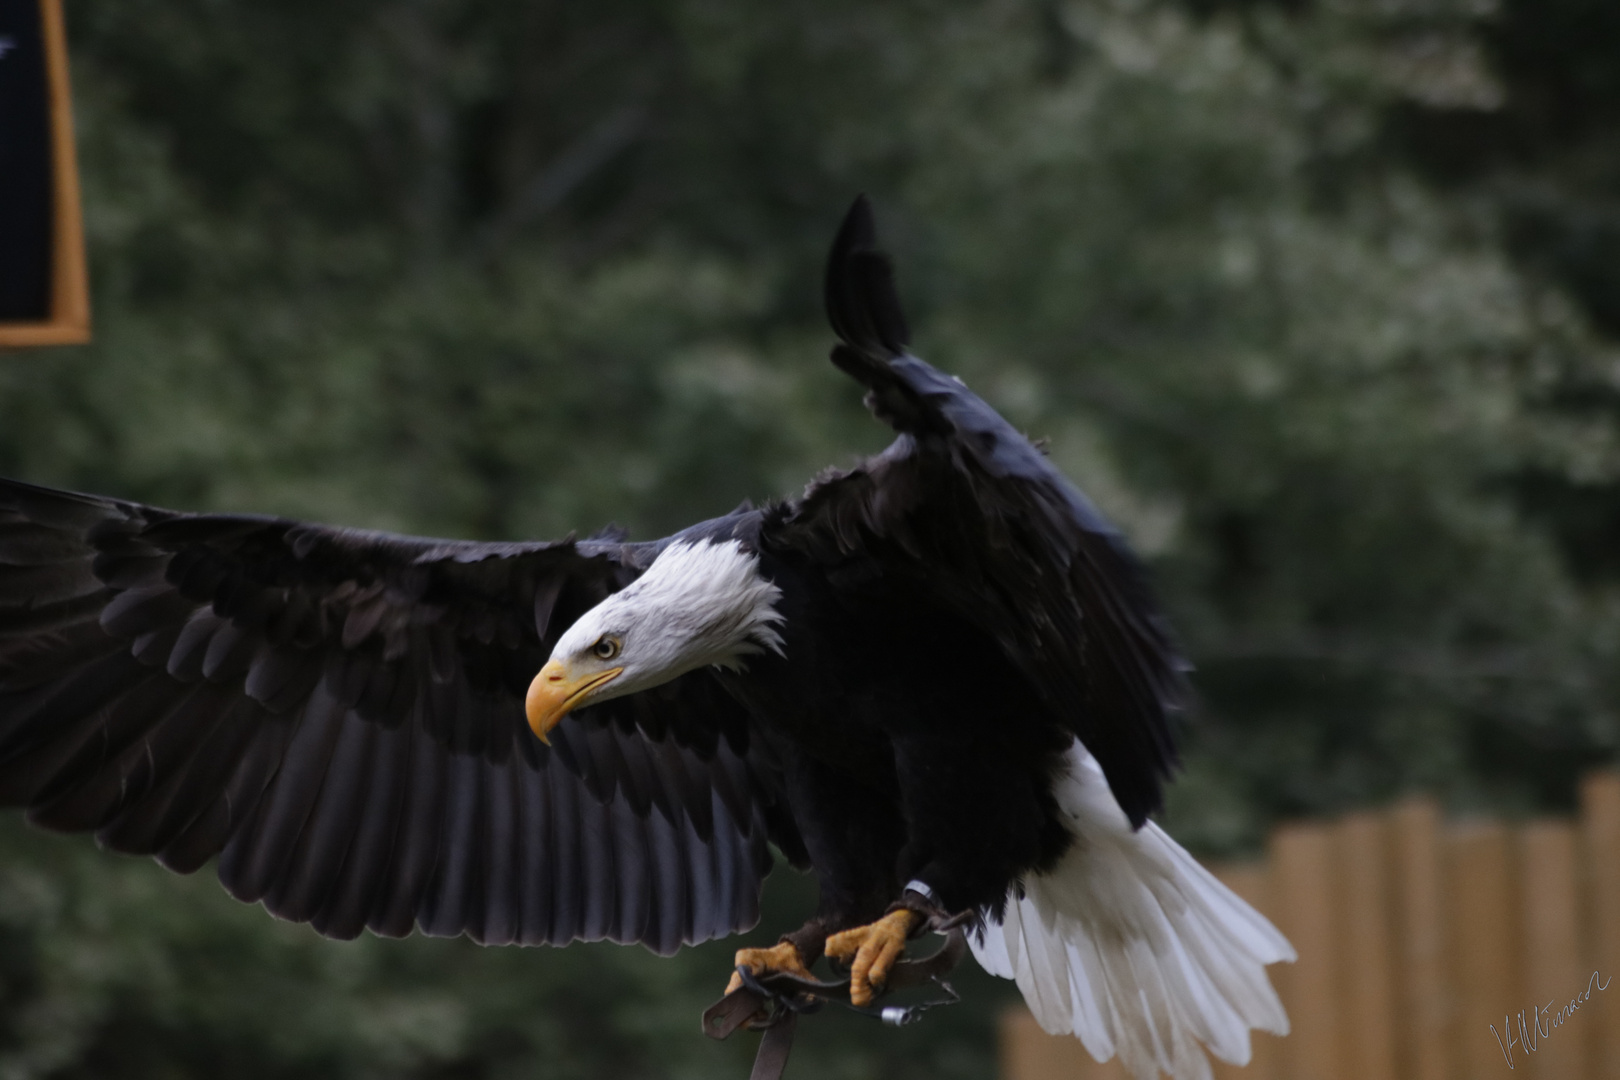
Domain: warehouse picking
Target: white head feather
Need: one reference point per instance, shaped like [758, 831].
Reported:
[698, 605]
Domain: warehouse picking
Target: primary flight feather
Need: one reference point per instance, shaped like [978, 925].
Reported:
[938, 679]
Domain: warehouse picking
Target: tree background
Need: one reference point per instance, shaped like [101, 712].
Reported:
[1319, 299]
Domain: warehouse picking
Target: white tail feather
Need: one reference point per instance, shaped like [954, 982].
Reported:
[1133, 946]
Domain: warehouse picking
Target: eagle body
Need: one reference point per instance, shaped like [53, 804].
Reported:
[938, 680]
[918, 745]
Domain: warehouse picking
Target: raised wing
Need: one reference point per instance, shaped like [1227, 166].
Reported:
[338, 716]
[964, 507]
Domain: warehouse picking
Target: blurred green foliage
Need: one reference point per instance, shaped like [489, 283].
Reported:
[1315, 297]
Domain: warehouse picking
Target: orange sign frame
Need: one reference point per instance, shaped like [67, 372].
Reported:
[69, 321]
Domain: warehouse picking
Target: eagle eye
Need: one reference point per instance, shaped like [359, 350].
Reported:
[607, 647]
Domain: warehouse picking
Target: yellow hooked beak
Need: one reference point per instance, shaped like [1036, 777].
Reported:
[555, 693]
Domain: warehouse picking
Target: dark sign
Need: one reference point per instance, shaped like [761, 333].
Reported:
[43, 295]
[25, 165]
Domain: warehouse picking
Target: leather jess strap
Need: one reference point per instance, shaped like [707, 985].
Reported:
[774, 1002]
[771, 1060]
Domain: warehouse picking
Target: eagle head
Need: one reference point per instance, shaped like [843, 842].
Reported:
[698, 605]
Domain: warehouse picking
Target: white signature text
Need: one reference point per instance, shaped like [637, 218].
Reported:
[1536, 1024]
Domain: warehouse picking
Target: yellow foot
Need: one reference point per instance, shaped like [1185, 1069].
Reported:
[780, 957]
[875, 948]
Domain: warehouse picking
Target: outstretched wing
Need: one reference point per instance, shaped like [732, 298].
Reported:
[964, 507]
[338, 716]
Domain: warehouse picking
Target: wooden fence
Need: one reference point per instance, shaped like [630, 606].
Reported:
[1415, 937]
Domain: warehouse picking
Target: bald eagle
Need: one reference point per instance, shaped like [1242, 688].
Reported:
[938, 680]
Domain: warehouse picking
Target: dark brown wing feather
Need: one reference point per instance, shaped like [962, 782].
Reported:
[964, 507]
[337, 715]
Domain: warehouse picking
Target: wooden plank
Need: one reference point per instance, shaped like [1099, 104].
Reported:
[1483, 952]
[1028, 1053]
[69, 323]
[1368, 1016]
[1304, 879]
[1423, 1000]
[1253, 883]
[1600, 826]
[1552, 952]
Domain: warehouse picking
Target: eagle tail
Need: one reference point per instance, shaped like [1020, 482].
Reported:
[1134, 947]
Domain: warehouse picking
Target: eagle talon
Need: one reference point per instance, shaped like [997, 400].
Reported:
[871, 951]
[781, 957]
